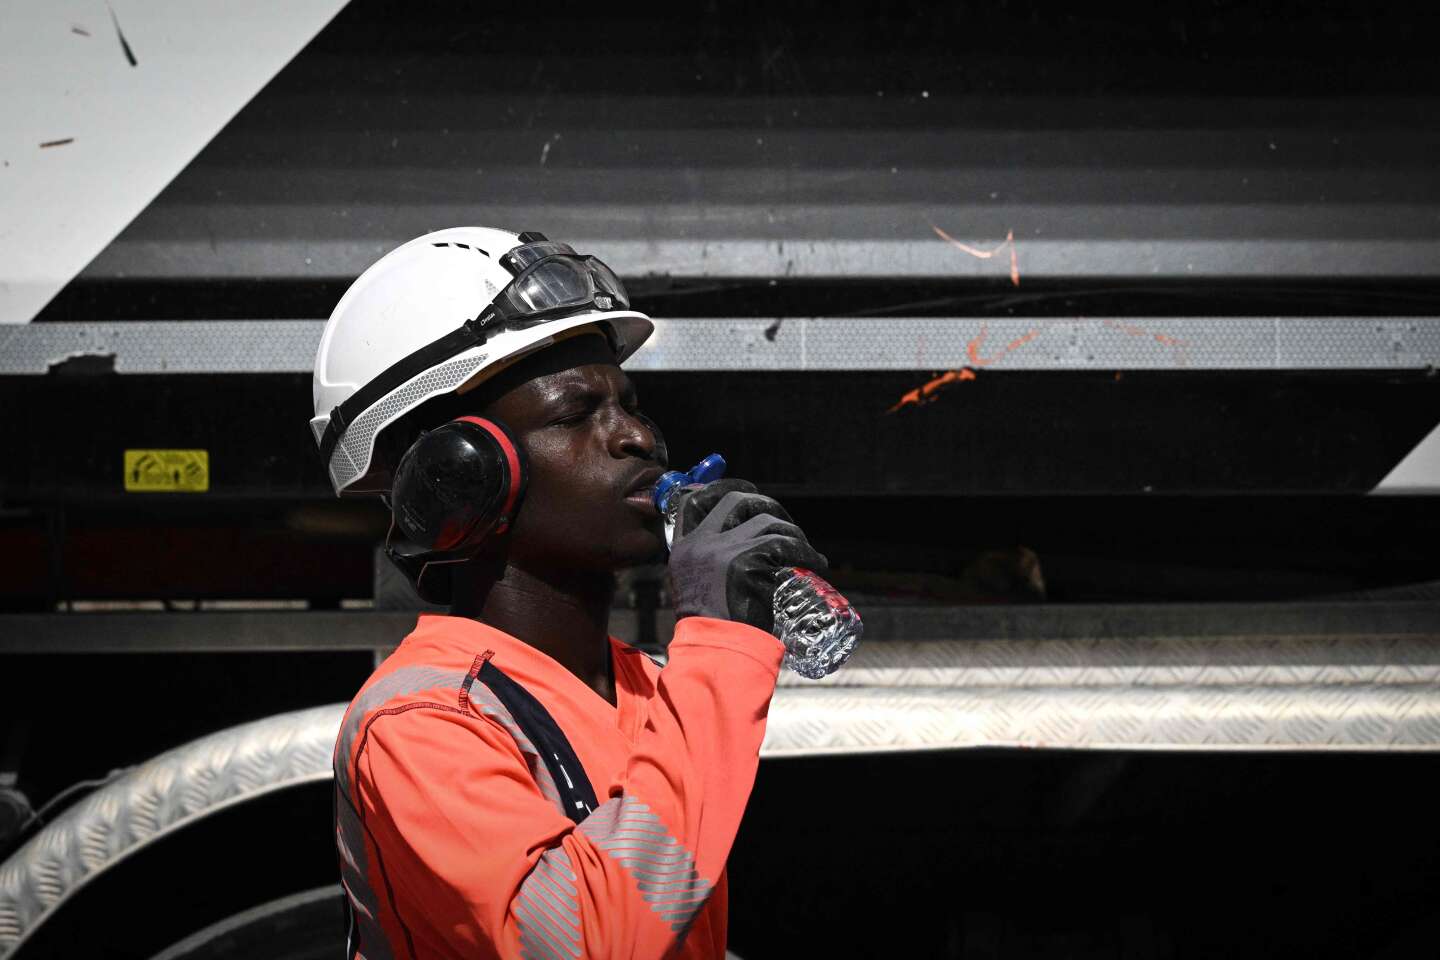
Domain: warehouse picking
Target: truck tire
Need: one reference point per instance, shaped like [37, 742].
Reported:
[232, 769]
[302, 926]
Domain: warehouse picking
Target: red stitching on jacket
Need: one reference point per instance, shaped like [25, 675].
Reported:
[470, 677]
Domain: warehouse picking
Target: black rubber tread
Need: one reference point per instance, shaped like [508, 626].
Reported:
[303, 926]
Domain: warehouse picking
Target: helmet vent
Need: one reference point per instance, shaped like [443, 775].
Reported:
[462, 246]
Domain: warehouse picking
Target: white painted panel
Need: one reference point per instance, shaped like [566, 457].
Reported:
[1419, 472]
[118, 132]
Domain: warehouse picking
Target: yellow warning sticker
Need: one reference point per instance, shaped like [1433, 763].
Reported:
[167, 471]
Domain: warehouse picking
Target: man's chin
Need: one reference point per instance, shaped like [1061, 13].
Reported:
[638, 551]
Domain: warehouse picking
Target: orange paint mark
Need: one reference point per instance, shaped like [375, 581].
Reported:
[972, 349]
[925, 393]
[986, 254]
[1019, 342]
[1175, 343]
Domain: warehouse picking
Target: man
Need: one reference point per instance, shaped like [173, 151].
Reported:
[512, 782]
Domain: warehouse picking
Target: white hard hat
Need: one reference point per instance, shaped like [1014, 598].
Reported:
[424, 320]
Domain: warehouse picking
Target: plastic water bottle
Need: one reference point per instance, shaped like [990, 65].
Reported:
[817, 626]
[666, 493]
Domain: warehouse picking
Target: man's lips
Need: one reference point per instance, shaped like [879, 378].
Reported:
[640, 491]
[644, 483]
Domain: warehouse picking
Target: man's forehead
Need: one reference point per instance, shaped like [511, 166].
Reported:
[551, 392]
[585, 376]
[547, 364]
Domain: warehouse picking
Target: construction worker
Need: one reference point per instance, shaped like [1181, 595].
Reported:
[512, 781]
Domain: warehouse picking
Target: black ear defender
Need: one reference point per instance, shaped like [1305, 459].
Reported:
[456, 486]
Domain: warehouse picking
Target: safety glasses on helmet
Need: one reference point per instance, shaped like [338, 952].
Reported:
[551, 281]
[551, 278]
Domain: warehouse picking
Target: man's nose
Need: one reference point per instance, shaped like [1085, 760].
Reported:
[635, 435]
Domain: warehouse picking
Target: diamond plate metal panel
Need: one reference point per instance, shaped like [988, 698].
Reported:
[156, 799]
[819, 721]
[1161, 662]
[1214, 693]
[1210, 693]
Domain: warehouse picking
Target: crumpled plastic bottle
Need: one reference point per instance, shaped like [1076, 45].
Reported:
[815, 623]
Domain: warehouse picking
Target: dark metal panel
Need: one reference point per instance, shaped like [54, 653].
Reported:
[811, 433]
[1146, 628]
[827, 142]
[216, 631]
[1196, 197]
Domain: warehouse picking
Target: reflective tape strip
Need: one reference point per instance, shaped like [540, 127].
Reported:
[547, 904]
[663, 870]
[548, 909]
[484, 698]
[350, 841]
[723, 344]
[402, 682]
[349, 831]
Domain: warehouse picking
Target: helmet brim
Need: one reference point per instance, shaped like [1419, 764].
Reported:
[630, 329]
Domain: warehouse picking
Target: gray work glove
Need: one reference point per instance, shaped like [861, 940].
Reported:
[730, 544]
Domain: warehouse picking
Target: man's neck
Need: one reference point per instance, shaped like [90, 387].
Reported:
[569, 621]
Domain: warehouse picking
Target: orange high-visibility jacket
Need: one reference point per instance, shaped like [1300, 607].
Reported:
[454, 841]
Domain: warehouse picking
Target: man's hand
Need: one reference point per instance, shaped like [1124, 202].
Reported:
[730, 542]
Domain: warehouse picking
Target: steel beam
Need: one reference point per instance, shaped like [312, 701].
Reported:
[311, 184]
[803, 344]
[1088, 631]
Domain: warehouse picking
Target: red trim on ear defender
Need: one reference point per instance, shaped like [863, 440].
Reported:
[512, 458]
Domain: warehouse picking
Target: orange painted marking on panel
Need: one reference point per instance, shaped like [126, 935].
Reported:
[1174, 343]
[986, 254]
[1019, 342]
[926, 393]
[972, 349]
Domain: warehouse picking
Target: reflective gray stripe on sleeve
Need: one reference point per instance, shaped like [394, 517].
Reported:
[490, 705]
[350, 841]
[404, 681]
[349, 832]
[548, 909]
[664, 871]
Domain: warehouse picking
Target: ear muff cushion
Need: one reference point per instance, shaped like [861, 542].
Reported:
[516, 472]
[457, 484]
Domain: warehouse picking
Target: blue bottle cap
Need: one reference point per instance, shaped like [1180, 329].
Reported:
[706, 471]
[661, 492]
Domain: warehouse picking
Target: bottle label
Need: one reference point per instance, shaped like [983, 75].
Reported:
[833, 598]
